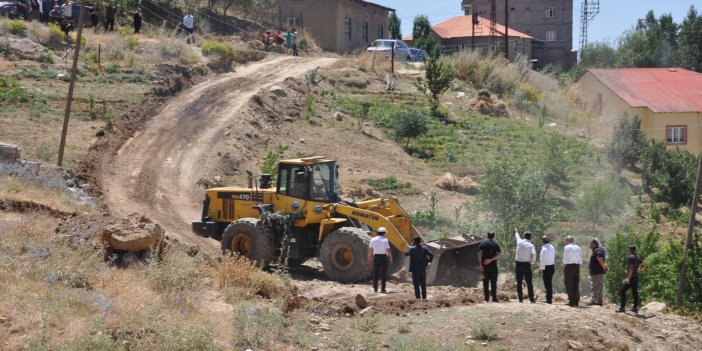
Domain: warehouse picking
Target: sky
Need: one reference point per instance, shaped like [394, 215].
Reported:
[615, 17]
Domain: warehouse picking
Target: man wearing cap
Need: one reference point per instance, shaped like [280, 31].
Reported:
[420, 259]
[547, 267]
[379, 254]
[598, 268]
[524, 257]
[572, 259]
[634, 266]
[488, 254]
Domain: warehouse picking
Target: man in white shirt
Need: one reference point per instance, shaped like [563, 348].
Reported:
[525, 257]
[189, 25]
[572, 259]
[547, 260]
[379, 254]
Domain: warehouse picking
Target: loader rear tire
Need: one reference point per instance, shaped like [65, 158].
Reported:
[245, 238]
[344, 255]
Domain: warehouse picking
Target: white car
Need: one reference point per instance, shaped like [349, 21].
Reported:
[384, 46]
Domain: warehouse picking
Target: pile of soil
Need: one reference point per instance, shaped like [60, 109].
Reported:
[490, 106]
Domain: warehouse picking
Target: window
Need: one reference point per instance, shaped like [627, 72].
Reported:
[468, 9]
[381, 32]
[347, 28]
[364, 33]
[294, 22]
[550, 12]
[550, 35]
[676, 134]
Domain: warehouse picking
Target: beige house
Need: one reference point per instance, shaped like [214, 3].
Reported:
[336, 25]
[668, 101]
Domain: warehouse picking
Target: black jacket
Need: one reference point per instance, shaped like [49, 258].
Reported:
[420, 256]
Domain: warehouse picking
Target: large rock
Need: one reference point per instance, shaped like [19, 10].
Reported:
[653, 308]
[26, 49]
[9, 152]
[134, 234]
[361, 301]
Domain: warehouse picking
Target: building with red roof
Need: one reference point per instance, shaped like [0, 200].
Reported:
[459, 33]
[668, 101]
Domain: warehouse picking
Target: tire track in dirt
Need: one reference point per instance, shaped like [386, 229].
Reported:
[155, 172]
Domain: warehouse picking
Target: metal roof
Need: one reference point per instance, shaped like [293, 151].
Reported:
[460, 27]
[658, 89]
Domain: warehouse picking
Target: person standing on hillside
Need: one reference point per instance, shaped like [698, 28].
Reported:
[94, 17]
[488, 254]
[420, 259]
[288, 40]
[380, 256]
[294, 42]
[137, 21]
[598, 268]
[189, 26]
[109, 16]
[547, 260]
[633, 267]
[572, 259]
[525, 257]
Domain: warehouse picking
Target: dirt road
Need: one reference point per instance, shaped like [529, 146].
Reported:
[155, 173]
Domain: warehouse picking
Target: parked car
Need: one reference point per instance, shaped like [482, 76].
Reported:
[384, 46]
[6, 7]
[418, 55]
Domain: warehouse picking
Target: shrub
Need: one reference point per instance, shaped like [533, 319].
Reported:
[672, 172]
[409, 125]
[258, 328]
[239, 274]
[627, 144]
[438, 77]
[485, 332]
[176, 273]
[225, 51]
[111, 68]
[48, 57]
[604, 198]
[11, 91]
[132, 42]
[16, 26]
[393, 185]
[55, 37]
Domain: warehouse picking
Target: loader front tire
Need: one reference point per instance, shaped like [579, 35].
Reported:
[243, 237]
[344, 255]
[398, 261]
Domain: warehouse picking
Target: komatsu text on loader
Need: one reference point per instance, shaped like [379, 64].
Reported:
[336, 232]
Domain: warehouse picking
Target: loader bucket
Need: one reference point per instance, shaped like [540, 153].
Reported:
[455, 261]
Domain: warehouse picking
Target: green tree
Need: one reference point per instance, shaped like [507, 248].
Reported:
[409, 125]
[603, 199]
[628, 142]
[618, 249]
[689, 53]
[652, 43]
[671, 172]
[423, 36]
[395, 25]
[598, 55]
[563, 156]
[515, 196]
[438, 78]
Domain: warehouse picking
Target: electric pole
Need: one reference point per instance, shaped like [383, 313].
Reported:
[690, 229]
[74, 69]
[507, 30]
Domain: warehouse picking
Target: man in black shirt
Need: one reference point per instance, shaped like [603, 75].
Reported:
[634, 266]
[598, 268]
[420, 259]
[488, 254]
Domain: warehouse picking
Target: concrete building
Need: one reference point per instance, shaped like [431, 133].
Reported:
[336, 25]
[458, 34]
[668, 101]
[549, 22]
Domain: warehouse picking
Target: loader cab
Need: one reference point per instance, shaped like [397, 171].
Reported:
[310, 179]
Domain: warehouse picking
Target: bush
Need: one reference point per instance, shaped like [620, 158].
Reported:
[225, 51]
[628, 142]
[48, 57]
[393, 185]
[604, 198]
[11, 91]
[258, 328]
[16, 26]
[671, 172]
[56, 37]
[409, 125]
[237, 274]
[485, 332]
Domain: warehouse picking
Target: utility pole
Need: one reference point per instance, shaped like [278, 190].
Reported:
[690, 229]
[69, 99]
[507, 30]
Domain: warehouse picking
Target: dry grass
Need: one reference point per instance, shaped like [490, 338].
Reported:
[369, 62]
[239, 277]
[13, 188]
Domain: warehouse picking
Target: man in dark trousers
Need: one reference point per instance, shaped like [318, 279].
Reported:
[488, 254]
[380, 256]
[420, 259]
[109, 16]
[547, 268]
[137, 21]
[633, 267]
[525, 256]
[572, 259]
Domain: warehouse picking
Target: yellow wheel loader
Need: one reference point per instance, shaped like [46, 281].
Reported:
[247, 221]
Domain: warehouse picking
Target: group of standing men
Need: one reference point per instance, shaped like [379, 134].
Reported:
[489, 252]
[289, 38]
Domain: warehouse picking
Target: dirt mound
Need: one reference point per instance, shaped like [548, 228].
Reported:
[489, 106]
[465, 185]
[8, 205]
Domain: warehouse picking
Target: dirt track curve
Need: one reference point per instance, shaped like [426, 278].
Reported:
[155, 172]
